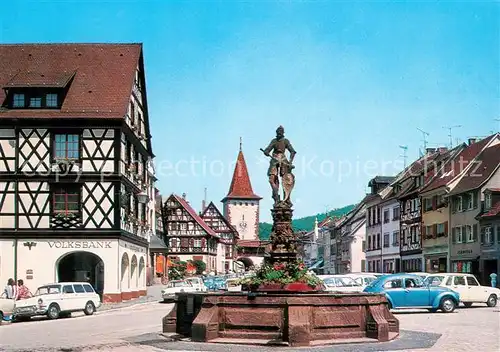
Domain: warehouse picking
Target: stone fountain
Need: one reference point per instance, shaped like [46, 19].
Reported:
[295, 313]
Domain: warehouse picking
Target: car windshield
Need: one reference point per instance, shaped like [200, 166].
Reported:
[47, 290]
[347, 281]
[433, 280]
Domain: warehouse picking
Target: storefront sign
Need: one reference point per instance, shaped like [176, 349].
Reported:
[464, 251]
[467, 251]
[132, 247]
[80, 244]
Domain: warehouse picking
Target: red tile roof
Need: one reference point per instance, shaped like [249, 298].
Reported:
[456, 165]
[194, 215]
[250, 243]
[495, 190]
[494, 211]
[481, 171]
[241, 187]
[100, 77]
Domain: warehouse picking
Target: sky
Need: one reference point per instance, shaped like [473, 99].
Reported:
[350, 82]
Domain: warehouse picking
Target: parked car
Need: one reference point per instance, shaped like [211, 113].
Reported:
[174, 287]
[215, 283]
[58, 300]
[6, 308]
[363, 279]
[408, 291]
[340, 283]
[467, 286]
[197, 283]
[233, 285]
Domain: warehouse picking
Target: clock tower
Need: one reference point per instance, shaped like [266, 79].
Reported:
[241, 205]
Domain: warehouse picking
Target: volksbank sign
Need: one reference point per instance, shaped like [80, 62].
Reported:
[79, 244]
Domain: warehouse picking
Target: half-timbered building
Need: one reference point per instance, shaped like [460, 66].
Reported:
[76, 179]
[241, 208]
[228, 237]
[188, 236]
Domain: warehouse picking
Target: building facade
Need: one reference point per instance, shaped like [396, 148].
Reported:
[76, 181]
[241, 208]
[390, 235]
[353, 233]
[467, 198]
[489, 222]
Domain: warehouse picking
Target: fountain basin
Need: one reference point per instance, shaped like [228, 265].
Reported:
[292, 319]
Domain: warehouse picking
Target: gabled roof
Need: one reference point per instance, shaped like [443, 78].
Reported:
[194, 215]
[494, 211]
[241, 187]
[99, 76]
[483, 168]
[221, 217]
[455, 165]
[381, 179]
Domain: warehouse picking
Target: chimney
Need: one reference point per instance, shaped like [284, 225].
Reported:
[430, 150]
[442, 149]
[472, 141]
[184, 196]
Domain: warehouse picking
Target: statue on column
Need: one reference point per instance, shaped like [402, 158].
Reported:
[280, 167]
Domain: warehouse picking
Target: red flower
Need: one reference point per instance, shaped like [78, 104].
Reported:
[301, 266]
[279, 266]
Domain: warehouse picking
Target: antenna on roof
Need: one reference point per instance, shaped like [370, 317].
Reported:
[450, 128]
[204, 202]
[404, 148]
[424, 135]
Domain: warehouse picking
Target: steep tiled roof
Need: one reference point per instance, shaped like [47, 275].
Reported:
[485, 165]
[220, 216]
[494, 211]
[99, 77]
[241, 187]
[194, 215]
[454, 166]
[250, 243]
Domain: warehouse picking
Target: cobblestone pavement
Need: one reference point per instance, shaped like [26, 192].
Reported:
[136, 329]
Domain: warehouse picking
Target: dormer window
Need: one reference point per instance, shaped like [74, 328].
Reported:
[18, 101]
[35, 102]
[487, 200]
[51, 100]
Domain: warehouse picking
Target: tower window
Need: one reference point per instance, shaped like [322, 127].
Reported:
[51, 100]
[35, 102]
[18, 101]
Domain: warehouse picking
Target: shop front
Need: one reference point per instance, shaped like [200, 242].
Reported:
[412, 263]
[465, 259]
[97, 261]
[436, 259]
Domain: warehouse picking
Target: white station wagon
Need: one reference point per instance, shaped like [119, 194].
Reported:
[467, 286]
[58, 300]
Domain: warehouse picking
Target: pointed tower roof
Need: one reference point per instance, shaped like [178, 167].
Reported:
[241, 187]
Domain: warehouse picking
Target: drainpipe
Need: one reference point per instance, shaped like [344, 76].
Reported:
[15, 259]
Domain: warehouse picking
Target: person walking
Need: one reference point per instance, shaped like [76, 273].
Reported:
[22, 291]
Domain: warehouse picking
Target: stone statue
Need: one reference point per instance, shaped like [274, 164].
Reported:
[280, 166]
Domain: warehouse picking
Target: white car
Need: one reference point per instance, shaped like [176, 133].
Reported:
[363, 279]
[6, 308]
[176, 286]
[467, 286]
[58, 300]
[197, 283]
[341, 283]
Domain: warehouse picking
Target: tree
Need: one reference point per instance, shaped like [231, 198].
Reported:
[200, 266]
[177, 271]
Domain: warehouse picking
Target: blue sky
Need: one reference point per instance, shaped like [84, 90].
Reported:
[349, 81]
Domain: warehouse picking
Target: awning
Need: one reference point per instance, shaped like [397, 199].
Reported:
[317, 264]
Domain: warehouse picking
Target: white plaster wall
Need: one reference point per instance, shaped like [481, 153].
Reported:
[221, 256]
[104, 195]
[6, 261]
[105, 150]
[27, 197]
[357, 254]
[30, 140]
[237, 211]
[493, 182]
[131, 280]
[8, 146]
[8, 204]
[44, 257]
[390, 227]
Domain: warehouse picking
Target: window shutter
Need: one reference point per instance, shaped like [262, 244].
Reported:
[446, 229]
[453, 204]
[191, 242]
[474, 232]
[483, 233]
[434, 203]
[464, 233]
[475, 199]
[204, 243]
[454, 235]
[424, 232]
[184, 242]
[434, 230]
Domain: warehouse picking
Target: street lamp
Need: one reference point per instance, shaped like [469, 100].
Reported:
[142, 198]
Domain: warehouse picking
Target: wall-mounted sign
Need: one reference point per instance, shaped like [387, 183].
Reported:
[132, 247]
[80, 244]
[29, 272]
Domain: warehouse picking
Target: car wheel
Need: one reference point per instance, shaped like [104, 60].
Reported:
[447, 305]
[492, 301]
[89, 308]
[53, 311]
[468, 304]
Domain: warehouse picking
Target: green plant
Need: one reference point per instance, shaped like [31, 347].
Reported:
[282, 273]
[200, 266]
